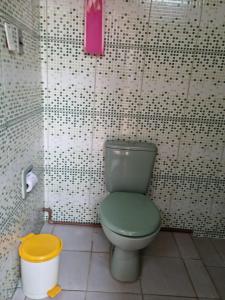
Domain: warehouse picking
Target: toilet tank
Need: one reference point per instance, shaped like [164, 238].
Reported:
[128, 166]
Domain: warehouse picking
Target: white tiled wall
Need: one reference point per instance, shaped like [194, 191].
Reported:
[21, 137]
[160, 80]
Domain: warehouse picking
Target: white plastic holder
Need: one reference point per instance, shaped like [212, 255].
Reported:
[24, 173]
[39, 278]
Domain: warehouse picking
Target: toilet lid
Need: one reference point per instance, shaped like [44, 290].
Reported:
[130, 214]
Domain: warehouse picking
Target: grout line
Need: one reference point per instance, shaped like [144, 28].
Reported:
[53, 229]
[177, 297]
[195, 52]
[215, 267]
[189, 276]
[141, 288]
[74, 250]
[183, 125]
[116, 292]
[186, 269]
[134, 293]
[216, 250]
[89, 270]
[45, 93]
[143, 68]
[177, 245]
[93, 125]
[194, 246]
[160, 256]
[206, 268]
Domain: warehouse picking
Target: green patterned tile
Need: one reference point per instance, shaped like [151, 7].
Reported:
[160, 80]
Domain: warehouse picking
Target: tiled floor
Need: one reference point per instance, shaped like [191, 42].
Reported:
[175, 267]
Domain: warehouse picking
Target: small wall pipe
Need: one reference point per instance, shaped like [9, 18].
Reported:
[51, 221]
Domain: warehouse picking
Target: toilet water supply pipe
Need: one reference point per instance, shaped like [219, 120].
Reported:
[51, 221]
[48, 210]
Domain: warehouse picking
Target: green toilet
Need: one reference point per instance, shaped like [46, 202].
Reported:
[130, 220]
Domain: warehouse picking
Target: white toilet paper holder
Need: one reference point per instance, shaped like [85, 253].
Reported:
[24, 173]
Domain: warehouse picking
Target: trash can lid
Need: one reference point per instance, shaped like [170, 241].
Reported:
[40, 247]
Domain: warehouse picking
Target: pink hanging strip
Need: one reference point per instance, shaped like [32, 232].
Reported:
[94, 27]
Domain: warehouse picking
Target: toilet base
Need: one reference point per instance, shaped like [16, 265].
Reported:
[125, 265]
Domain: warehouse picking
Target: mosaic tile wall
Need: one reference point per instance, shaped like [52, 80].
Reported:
[161, 80]
[21, 137]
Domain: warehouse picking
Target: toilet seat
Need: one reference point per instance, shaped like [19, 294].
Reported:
[130, 214]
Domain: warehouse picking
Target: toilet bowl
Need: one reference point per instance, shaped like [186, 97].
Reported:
[125, 263]
[130, 220]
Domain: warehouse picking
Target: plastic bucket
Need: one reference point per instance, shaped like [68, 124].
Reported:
[40, 265]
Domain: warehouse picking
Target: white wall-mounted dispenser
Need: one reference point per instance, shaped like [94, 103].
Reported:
[28, 180]
[14, 38]
[11, 33]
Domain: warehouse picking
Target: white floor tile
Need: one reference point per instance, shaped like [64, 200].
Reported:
[220, 247]
[19, 295]
[67, 295]
[163, 245]
[101, 280]
[112, 296]
[218, 276]
[165, 276]
[73, 273]
[19, 284]
[70, 295]
[100, 242]
[208, 252]
[74, 237]
[154, 297]
[47, 228]
[203, 285]
[186, 245]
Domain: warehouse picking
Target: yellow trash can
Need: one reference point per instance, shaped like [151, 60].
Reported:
[40, 265]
